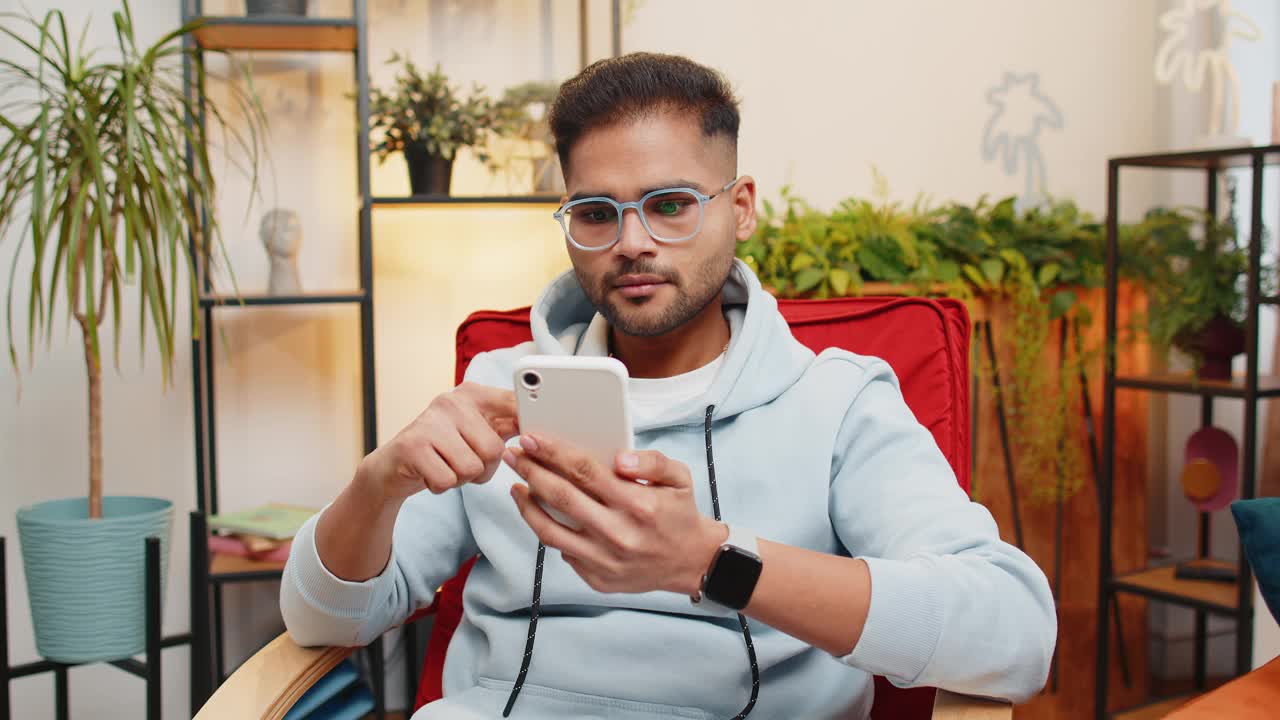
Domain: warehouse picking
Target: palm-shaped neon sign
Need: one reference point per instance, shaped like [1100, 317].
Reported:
[1019, 112]
[1177, 60]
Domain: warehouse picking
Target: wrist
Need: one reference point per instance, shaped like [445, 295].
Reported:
[711, 535]
[370, 484]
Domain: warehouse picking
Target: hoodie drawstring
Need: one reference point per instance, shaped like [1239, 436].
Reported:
[742, 619]
[533, 628]
[537, 600]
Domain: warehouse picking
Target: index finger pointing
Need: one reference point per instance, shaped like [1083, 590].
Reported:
[498, 407]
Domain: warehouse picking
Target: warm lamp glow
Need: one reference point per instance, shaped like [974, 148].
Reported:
[432, 268]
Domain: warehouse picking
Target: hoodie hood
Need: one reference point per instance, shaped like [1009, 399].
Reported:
[762, 362]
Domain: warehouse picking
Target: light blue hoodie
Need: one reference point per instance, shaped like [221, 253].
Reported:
[816, 452]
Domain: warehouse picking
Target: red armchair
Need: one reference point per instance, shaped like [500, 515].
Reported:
[925, 341]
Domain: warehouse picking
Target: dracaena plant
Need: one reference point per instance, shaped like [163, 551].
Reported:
[103, 184]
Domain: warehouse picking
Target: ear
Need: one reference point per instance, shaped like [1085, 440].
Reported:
[744, 207]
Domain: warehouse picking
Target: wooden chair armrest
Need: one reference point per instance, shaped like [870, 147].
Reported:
[950, 706]
[270, 682]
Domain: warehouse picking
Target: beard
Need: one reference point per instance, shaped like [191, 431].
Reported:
[641, 317]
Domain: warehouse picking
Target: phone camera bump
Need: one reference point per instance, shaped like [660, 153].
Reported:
[531, 380]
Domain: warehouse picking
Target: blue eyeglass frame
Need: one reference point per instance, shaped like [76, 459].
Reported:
[638, 206]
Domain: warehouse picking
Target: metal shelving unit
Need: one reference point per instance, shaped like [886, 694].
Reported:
[1235, 599]
[210, 574]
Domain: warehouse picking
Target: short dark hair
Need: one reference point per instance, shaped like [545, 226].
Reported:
[636, 85]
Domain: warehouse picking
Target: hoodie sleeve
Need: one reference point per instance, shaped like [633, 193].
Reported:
[431, 540]
[952, 605]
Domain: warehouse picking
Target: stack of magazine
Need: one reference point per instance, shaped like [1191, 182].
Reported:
[262, 533]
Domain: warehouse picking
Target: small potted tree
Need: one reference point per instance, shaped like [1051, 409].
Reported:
[429, 121]
[97, 183]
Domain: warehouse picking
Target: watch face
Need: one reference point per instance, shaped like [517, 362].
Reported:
[733, 577]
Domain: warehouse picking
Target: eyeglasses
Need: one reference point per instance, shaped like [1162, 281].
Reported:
[671, 215]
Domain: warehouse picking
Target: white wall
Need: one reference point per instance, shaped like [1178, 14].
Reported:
[829, 89]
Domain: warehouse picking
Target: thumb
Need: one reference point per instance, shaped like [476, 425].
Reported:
[653, 467]
[506, 427]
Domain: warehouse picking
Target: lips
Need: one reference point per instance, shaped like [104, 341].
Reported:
[636, 286]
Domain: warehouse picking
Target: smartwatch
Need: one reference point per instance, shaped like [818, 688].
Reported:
[734, 572]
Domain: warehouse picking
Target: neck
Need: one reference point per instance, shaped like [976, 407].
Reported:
[682, 350]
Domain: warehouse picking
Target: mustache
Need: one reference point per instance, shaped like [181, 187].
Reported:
[642, 266]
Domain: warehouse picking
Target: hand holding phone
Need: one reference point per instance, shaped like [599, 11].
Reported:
[581, 401]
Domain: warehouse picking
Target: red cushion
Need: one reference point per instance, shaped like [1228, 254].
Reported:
[925, 341]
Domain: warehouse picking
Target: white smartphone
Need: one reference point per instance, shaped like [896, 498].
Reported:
[578, 400]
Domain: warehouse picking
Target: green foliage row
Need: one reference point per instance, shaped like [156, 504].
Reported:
[1036, 259]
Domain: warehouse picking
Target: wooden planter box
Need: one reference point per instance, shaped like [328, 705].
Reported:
[1076, 549]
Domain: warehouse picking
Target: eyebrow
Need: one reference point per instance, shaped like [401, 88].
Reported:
[677, 183]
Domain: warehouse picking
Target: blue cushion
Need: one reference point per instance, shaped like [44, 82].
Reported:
[1259, 523]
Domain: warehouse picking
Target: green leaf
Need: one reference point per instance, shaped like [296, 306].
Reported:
[948, 271]
[993, 270]
[840, 280]
[1048, 272]
[1061, 303]
[808, 279]
[801, 262]
[975, 277]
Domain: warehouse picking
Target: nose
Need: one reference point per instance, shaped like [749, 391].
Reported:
[634, 240]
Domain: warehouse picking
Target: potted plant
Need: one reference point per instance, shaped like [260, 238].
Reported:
[1193, 268]
[428, 120]
[276, 7]
[524, 110]
[96, 179]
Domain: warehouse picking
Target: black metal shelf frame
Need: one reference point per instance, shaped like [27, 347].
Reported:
[1211, 163]
[208, 654]
[1187, 387]
[207, 667]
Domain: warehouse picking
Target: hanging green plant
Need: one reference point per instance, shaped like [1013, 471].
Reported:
[1033, 261]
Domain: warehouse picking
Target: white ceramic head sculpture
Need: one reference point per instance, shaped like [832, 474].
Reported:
[281, 234]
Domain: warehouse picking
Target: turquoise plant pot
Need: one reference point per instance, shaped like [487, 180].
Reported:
[85, 578]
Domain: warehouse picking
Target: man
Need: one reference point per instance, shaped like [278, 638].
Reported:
[844, 539]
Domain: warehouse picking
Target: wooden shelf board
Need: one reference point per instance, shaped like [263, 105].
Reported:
[282, 34]
[1268, 385]
[223, 564]
[1161, 581]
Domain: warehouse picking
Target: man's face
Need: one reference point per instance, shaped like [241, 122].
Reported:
[645, 287]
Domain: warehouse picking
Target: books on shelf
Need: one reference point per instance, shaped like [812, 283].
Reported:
[339, 695]
[244, 546]
[272, 521]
